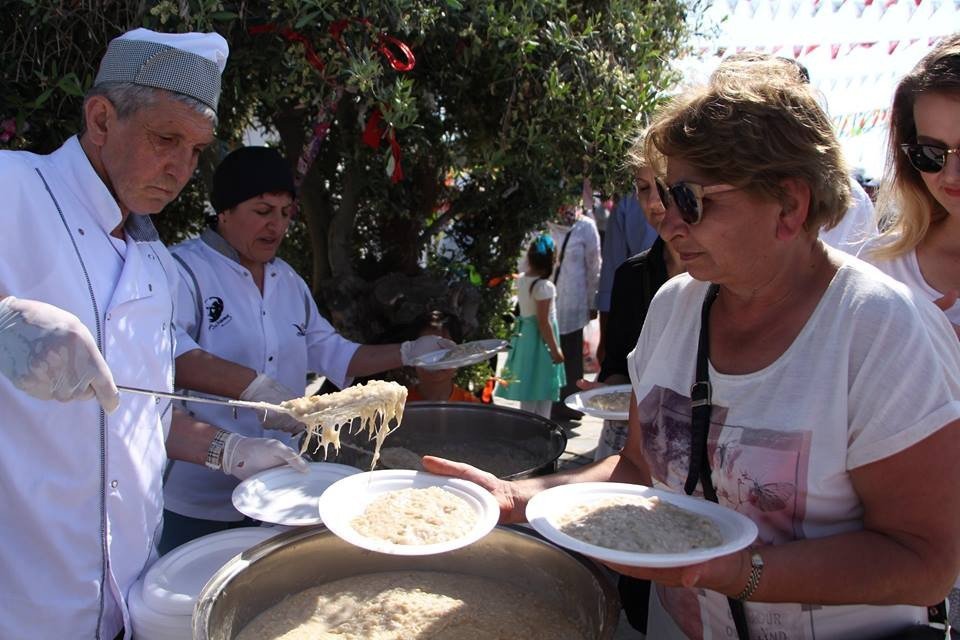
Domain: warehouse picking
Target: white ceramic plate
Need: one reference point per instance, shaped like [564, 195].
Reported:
[486, 349]
[581, 402]
[283, 495]
[737, 530]
[348, 499]
[172, 584]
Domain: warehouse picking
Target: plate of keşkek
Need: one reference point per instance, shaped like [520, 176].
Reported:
[609, 402]
[408, 513]
[460, 355]
[638, 526]
[283, 495]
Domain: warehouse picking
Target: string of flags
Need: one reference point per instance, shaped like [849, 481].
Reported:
[855, 124]
[798, 50]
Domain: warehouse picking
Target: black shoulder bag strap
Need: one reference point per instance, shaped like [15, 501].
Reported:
[563, 252]
[700, 405]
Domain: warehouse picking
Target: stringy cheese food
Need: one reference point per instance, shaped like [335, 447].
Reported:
[617, 401]
[416, 516]
[414, 605]
[325, 415]
[638, 524]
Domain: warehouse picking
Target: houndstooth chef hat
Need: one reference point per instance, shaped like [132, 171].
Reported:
[186, 63]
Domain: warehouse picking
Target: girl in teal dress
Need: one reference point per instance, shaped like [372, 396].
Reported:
[533, 373]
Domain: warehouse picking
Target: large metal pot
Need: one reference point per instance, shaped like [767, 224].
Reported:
[507, 442]
[291, 562]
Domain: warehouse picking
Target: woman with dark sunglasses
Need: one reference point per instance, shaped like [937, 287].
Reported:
[827, 407]
[920, 193]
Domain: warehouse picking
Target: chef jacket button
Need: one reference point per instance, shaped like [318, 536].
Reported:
[81, 231]
[109, 316]
[264, 312]
[149, 287]
[163, 327]
[156, 400]
[270, 359]
[114, 484]
[273, 274]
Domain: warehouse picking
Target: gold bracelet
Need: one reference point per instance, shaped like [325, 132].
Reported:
[753, 580]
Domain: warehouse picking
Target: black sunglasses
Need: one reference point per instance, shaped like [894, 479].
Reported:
[688, 196]
[927, 158]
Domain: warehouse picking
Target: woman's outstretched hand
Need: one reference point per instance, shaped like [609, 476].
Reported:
[512, 504]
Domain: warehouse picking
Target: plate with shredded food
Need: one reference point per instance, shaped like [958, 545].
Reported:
[460, 355]
[283, 495]
[409, 513]
[638, 526]
[610, 402]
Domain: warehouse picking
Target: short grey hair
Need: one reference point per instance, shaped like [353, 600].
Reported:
[128, 98]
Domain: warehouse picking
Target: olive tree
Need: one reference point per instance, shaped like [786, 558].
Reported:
[435, 135]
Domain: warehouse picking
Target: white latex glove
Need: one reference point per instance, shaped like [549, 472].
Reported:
[266, 389]
[243, 457]
[50, 354]
[412, 349]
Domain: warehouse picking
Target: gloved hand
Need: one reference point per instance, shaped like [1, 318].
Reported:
[50, 354]
[243, 457]
[412, 349]
[266, 389]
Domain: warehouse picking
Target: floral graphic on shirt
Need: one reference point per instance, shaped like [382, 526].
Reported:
[759, 472]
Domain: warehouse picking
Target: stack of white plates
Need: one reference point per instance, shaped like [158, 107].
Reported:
[161, 603]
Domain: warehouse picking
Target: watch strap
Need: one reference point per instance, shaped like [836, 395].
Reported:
[753, 580]
[215, 451]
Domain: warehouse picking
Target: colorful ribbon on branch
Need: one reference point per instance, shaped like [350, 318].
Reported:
[373, 131]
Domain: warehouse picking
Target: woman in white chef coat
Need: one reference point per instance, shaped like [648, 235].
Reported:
[256, 332]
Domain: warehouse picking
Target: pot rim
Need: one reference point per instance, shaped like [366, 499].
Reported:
[221, 579]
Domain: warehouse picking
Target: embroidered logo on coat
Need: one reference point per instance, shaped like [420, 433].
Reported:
[301, 330]
[214, 307]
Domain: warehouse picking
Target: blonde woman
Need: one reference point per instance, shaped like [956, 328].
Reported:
[921, 190]
[920, 193]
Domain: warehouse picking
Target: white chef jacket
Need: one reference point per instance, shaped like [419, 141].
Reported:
[280, 333]
[80, 491]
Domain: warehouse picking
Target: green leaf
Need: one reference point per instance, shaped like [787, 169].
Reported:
[224, 16]
[43, 97]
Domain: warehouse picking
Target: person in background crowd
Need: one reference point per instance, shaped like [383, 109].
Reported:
[87, 294]
[577, 276]
[921, 192]
[627, 234]
[253, 332]
[805, 430]
[437, 384]
[532, 372]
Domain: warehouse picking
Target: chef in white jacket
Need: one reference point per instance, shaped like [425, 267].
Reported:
[86, 301]
[253, 332]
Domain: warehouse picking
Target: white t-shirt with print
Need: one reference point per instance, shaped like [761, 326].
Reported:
[906, 269]
[862, 381]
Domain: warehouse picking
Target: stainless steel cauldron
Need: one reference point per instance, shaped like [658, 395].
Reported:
[291, 562]
[507, 442]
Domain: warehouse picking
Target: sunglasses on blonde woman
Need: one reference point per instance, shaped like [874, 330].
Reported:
[928, 158]
[688, 196]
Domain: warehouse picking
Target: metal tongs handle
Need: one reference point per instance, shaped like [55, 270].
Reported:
[260, 406]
